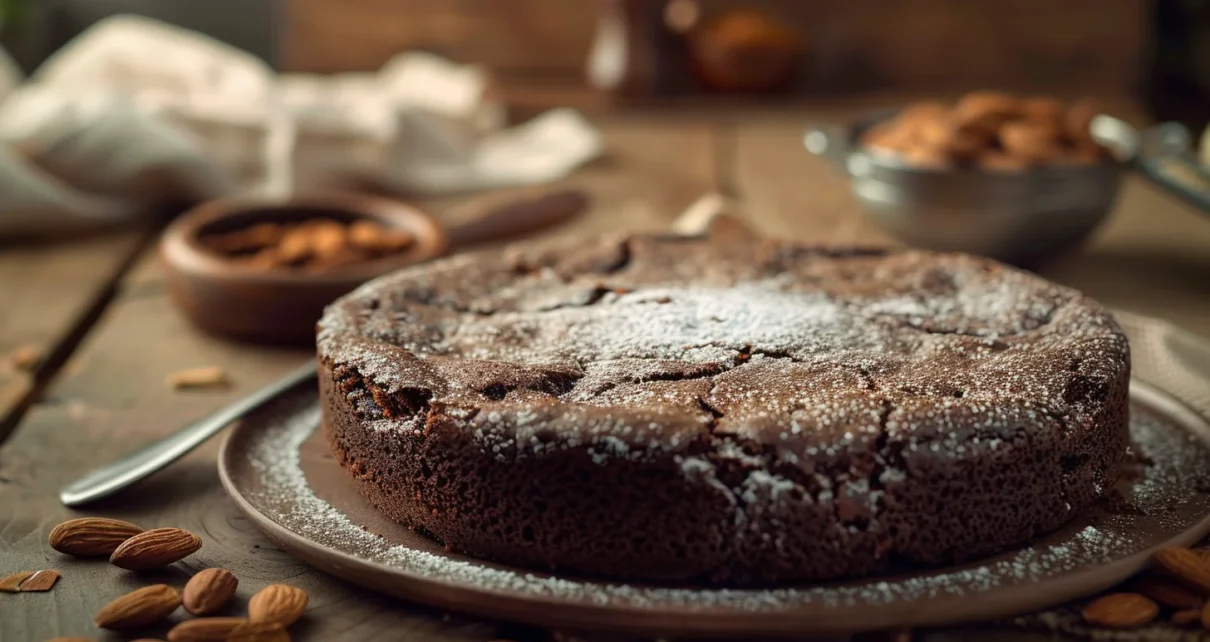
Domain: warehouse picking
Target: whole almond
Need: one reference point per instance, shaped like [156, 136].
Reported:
[209, 590]
[1168, 593]
[1206, 617]
[155, 548]
[277, 603]
[1186, 566]
[139, 608]
[206, 629]
[89, 536]
[1186, 617]
[1121, 611]
[259, 632]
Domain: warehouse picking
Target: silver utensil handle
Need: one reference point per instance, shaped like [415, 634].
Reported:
[110, 478]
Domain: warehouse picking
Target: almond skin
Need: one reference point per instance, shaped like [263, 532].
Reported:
[206, 629]
[1186, 566]
[259, 632]
[1186, 617]
[139, 608]
[1121, 611]
[155, 548]
[11, 583]
[209, 590]
[1168, 593]
[89, 536]
[277, 603]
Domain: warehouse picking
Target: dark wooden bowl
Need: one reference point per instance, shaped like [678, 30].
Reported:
[227, 298]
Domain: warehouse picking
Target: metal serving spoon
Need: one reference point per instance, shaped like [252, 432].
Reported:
[112, 477]
[705, 215]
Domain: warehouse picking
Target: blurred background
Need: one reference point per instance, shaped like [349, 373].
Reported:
[1157, 47]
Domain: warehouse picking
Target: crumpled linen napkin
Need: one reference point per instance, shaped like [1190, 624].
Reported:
[135, 111]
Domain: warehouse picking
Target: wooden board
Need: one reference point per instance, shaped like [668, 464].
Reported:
[112, 397]
[49, 295]
[1152, 256]
[789, 193]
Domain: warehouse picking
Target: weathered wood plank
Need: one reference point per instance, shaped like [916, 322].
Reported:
[47, 291]
[1152, 257]
[112, 397]
[789, 193]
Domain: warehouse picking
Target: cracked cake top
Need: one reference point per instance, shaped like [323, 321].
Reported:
[630, 343]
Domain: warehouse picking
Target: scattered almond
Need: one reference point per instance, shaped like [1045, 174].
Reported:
[26, 357]
[1121, 611]
[1186, 617]
[40, 582]
[10, 583]
[277, 603]
[1186, 566]
[1206, 617]
[259, 632]
[155, 548]
[209, 590]
[203, 377]
[206, 629]
[139, 608]
[1168, 593]
[91, 536]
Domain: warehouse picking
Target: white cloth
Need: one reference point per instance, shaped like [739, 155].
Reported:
[135, 110]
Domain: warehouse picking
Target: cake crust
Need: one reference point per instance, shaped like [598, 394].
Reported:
[678, 409]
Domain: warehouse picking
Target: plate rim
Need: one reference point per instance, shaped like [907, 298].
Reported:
[553, 612]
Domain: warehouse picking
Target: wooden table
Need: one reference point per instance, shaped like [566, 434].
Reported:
[98, 311]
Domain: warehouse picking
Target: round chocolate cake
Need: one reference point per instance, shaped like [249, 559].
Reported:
[670, 408]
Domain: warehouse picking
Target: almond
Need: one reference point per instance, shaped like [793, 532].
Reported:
[277, 603]
[1121, 611]
[10, 583]
[155, 548]
[1186, 566]
[206, 629]
[1168, 593]
[209, 590]
[1206, 617]
[201, 377]
[40, 582]
[1186, 617]
[259, 632]
[139, 608]
[89, 536]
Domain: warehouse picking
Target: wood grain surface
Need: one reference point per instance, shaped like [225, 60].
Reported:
[111, 395]
[48, 294]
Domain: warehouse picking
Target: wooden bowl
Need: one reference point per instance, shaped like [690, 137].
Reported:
[232, 299]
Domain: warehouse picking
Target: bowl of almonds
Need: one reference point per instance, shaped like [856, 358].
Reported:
[263, 271]
[1016, 178]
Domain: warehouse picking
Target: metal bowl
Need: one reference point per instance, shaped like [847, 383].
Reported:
[1020, 217]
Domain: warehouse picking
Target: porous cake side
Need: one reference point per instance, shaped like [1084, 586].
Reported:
[666, 408]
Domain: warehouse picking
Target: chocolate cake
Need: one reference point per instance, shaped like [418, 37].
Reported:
[677, 409]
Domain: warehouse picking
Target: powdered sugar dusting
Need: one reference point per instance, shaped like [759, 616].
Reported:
[1163, 496]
